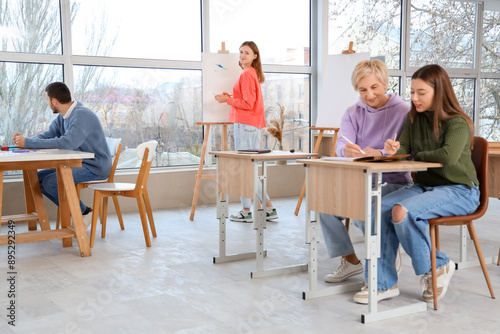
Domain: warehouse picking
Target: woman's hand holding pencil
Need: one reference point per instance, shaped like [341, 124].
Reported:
[391, 146]
[352, 150]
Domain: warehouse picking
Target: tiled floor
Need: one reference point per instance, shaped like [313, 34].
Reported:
[173, 287]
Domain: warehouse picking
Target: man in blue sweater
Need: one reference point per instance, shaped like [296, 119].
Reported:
[75, 128]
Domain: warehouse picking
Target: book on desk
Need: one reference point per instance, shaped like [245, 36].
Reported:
[254, 151]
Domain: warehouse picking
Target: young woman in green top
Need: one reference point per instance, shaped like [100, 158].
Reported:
[436, 130]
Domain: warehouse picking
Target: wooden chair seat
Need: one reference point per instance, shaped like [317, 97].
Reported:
[138, 190]
[113, 186]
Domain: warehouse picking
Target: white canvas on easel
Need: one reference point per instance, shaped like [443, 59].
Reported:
[220, 73]
[337, 93]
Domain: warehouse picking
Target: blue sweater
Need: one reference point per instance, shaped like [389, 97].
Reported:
[81, 131]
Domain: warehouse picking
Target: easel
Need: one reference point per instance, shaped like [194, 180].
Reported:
[199, 175]
[316, 149]
[318, 142]
[223, 48]
[350, 50]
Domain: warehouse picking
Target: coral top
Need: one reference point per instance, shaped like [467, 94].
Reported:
[247, 105]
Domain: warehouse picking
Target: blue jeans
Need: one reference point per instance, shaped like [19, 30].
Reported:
[337, 240]
[421, 204]
[247, 137]
[48, 182]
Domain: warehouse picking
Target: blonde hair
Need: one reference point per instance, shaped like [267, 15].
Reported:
[367, 67]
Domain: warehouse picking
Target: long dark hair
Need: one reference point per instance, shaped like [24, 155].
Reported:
[445, 104]
[256, 62]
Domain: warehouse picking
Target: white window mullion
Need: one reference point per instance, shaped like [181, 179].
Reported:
[477, 63]
[67, 47]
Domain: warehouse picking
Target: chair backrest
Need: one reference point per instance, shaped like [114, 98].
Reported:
[114, 144]
[146, 152]
[152, 148]
[480, 160]
[115, 148]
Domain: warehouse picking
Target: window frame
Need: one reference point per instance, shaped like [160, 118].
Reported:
[68, 60]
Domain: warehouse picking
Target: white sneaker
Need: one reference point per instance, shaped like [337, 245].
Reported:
[444, 275]
[344, 271]
[362, 296]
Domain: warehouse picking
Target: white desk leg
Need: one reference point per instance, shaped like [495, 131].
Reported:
[222, 215]
[371, 240]
[259, 215]
[311, 239]
[373, 253]
[312, 235]
[259, 224]
[463, 263]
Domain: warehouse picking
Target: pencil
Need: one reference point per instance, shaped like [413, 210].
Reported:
[350, 142]
[395, 135]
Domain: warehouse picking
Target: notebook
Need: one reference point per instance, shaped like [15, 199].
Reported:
[254, 151]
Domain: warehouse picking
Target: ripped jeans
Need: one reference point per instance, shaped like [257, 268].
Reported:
[421, 203]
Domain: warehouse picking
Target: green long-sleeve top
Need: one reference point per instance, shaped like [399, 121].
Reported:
[452, 150]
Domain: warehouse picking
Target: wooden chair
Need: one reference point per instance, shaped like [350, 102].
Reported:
[115, 147]
[138, 190]
[480, 160]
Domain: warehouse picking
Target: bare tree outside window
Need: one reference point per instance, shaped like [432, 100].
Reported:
[441, 32]
[23, 107]
[31, 27]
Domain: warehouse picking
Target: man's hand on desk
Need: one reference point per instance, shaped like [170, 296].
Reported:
[18, 140]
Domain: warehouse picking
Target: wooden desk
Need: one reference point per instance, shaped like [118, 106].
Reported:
[238, 175]
[494, 173]
[63, 161]
[494, 185]
[324, 179]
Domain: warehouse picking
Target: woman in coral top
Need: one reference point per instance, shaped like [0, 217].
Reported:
[247, 113]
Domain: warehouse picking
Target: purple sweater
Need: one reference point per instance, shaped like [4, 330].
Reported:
[369, 127]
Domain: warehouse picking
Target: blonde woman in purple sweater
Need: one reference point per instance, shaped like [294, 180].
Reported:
[376, 117]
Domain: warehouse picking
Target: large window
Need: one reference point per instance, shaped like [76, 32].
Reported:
[137, 65]
[442, 32]
[23, 107]
[491, 42]
[373, 26]
[137, 29]
[282, 40]
[30, 26]
[280, 28]
[137, 105]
